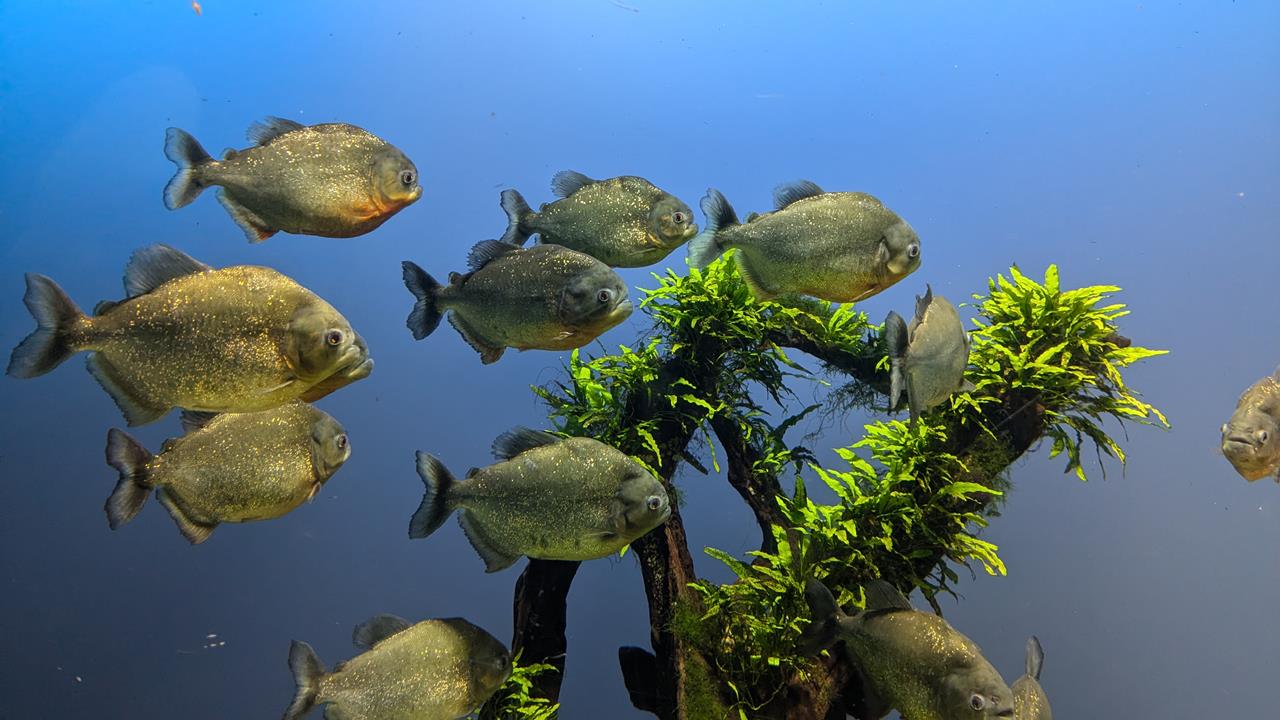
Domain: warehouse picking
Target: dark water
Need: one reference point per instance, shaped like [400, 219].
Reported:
[1134, 144]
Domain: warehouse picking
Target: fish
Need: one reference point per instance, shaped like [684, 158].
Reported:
[1251, 437]
[546, 297]
[438, 669]
[548, 497]
[929, 357]
[910, 661]
[836, 246]
[236, 339]
[331, 180]
[229, 467]
[1029, 700]
[622, 222]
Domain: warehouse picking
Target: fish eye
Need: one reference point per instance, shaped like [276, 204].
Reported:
[977, 702]
[333, 337]
[678, 217]
[654, 502]
[341, 441]
[604, 295]
[407, 177]
[913, 251]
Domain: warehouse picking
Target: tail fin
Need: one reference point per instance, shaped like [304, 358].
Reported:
[1035, 657]
[55, 314]
[425, 315]
[824, 627]
[183, 151]
[518, 212]
[704, 247]
[130, 459]
[434, 509]
[895, 336]
[307, 672]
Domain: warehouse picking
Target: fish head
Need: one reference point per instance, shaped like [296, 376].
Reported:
[330, 446]
[899, 252]
[671, 222]
[1251, 441]
[594, 298]
[394, 178]
[490, 663]
[976, 691]
[641, 503]
[320, 342]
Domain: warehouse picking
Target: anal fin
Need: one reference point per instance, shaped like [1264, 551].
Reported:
[136, 410]
[194, 531]
[494, 558]
[752, 280]
[488, 353]
[255, 228]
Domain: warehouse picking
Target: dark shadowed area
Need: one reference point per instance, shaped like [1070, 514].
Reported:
[1135, 144]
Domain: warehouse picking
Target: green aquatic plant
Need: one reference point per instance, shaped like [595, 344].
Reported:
[719, 370]
[516, 699]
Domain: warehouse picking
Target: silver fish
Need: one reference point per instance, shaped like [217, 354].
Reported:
[929, 357]
[1029, 700]
[1251, 438]
[548, 497]
[910, 661]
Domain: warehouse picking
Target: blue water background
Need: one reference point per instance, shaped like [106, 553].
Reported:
[1133, 143]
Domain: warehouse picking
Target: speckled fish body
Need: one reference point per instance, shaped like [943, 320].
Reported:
[237, 339]
[913, 662]
[331, 180]
[1029, 699]
[623, 221]
[433, 670]
[930, 357]
[1251, 438]
[550, 498]
[838, 246]
[233, 467]
[546, 297]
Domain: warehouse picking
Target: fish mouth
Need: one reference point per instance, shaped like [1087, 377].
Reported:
[358, 370]
[621, 311]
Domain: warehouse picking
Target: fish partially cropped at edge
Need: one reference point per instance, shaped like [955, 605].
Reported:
[1251, 438]
[623, 221]
[232, 467]
[837, 246]
[928, 358]
[546, 297]
[1029, 700]
[910, 661]
[432, 670]
[235, 339]
[332, 180]
[548, 497]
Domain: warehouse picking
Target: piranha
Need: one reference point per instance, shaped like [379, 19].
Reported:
[233, 467]
[929, 357]
[331, 180]
[837, 246]
[910, 661]
[1029, 700]
[236, 339]
[433, 670]
[546, 297]
[1251, 438]
[623, 222]
[548, 497]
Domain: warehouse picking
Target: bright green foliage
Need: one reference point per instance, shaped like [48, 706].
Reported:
[515, 700]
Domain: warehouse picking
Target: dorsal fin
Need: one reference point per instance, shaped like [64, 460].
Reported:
[1035, 657]
[155, 265]
[193, 420]
[376, 629]
[882, 596]
[269, 128]
[787, 193]
[519, 439]
[568, 182]
[486, 251]
[923, 303]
